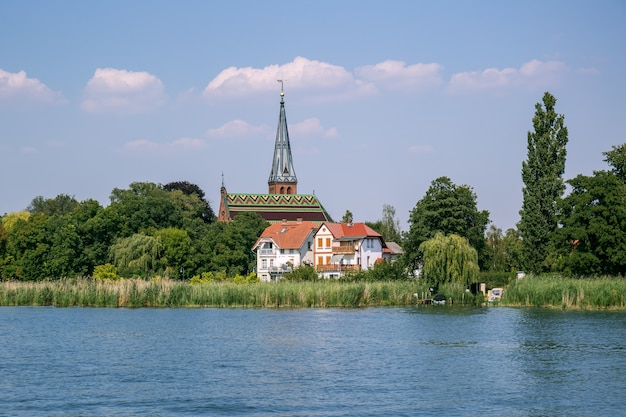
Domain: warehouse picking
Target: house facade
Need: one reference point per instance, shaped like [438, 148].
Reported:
[343, 247]
[283, 246]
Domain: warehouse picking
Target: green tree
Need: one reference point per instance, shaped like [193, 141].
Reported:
[145, 206]
[449, 259]
[513, 250]
[176, 257]
[388, 226]
[347, 217]
[617, 159]
[60, 205]
[206, 212]
[495, 250]
[592, 239]
[138, 254]
[543, 183]
[449, 209]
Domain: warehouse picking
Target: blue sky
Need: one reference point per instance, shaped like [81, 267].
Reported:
[381, 97]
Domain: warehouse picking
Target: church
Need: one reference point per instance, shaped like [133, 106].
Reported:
[282, 201]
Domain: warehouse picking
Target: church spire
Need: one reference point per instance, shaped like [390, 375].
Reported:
[282, 176]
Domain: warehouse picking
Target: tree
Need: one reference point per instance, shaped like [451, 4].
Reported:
[206, 214]
[176, 250]
[60, 205]
[137, 254]
[449, 209]
[617, 159]
[543, 183]
[347, 217]
[495, 250]
[592, 239]
[388, 226]
[449, 259]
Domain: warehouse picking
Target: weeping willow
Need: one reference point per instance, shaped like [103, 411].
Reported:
[449, 259]
[137, 252]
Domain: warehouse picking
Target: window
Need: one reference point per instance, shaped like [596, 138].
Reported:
[264, 263]
[282, 251]
[328, 242]
[320, 260]
[271, 263]
[319, 242]
[328, 260]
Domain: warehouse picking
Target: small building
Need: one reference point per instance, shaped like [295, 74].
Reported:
[283, 246]
[342, 247]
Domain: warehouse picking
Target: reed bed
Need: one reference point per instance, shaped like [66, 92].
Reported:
[135, 293]
[567, 293]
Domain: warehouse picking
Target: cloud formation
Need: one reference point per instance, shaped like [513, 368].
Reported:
[238, 129]
[122, 91]
[533, 74]
[312, 127]
[18, 87]
[300, 74]
[398, 76]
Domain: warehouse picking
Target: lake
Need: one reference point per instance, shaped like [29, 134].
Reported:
[422, 361]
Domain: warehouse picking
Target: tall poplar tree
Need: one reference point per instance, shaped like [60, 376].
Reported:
[542, 174]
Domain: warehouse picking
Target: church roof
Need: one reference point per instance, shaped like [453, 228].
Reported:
[282, 164]
[278, 207]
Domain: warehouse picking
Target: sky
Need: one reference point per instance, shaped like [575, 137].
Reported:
[381, 97]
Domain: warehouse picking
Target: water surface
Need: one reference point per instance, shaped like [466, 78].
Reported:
[311, 362]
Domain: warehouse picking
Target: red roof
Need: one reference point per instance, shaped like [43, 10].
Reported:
[351, 230]
[288, 235]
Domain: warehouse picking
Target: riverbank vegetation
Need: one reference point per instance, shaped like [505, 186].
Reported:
[566, 293]
[228, 294]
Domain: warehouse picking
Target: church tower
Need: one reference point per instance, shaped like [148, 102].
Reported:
[282, 176]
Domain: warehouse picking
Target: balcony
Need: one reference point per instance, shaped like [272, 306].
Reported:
[344, 249]
[267, 252]
[337, 267]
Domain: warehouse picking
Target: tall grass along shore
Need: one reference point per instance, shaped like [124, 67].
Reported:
[168, 293]
[537, 291]
[567, 293]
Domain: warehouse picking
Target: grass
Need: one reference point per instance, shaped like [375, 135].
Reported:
[567, 293]
[168, 293]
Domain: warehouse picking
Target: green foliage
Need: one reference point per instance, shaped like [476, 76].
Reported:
[616, 157]
[388, 226]
[448, 209]
[347, 217]
[60, 205]
[592, 239]
[136, 255]
[449, 259]
[559, 292]
[543, 184]
[105, 272]
[205, 211]
[302, 273]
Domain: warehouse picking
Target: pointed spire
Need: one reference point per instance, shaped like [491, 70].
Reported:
[282, 178]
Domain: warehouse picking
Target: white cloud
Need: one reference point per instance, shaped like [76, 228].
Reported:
[18, 87]
[312, 127]
[114, 90]
[238, 129]
[178, 145]
[397, 76]
[533, 74]
[322, 78]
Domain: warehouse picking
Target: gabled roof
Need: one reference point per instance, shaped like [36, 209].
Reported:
[352, 231]
[277, 207]
[287, 235]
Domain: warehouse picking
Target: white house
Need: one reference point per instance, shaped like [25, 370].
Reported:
[283, 246]
[341, 247]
